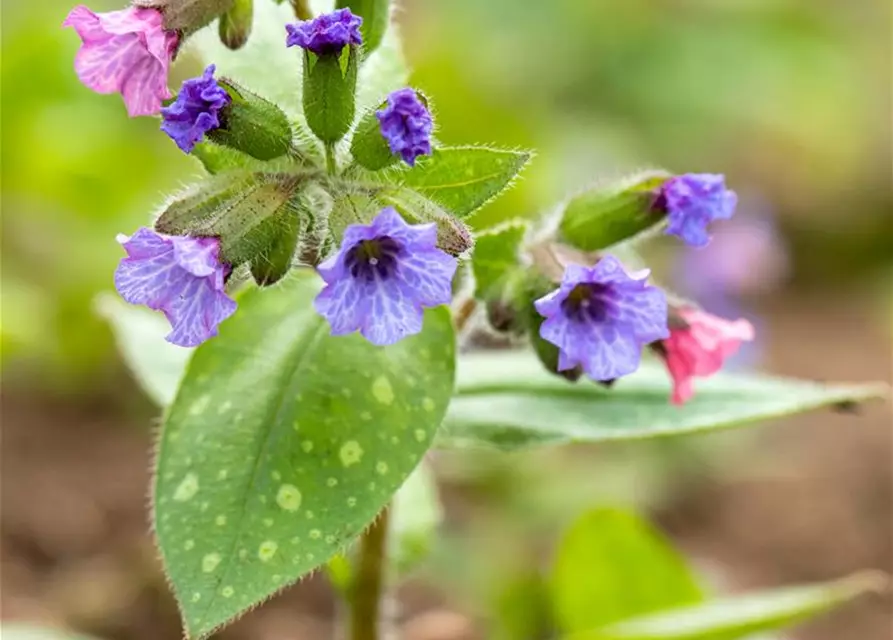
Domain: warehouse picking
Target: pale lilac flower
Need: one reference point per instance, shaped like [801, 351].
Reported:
[181, 276]
[126, 52]
[382, 277]
[692, 201]
[600, 317]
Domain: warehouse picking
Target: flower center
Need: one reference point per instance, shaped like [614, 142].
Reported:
[373, 259]
[587, 302]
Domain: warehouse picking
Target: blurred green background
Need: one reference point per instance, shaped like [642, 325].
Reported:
[789, 98]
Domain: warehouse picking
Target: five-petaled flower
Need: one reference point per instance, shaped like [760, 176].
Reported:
[692, 201]
[127, 52]
[382, 277]
[195, 111]
[181, 276]
[406, 125]
[699, 346]
[326, 34]
[600, 317]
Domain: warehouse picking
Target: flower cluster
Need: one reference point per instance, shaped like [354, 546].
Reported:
[326, 34]
[195, 111]
[127, 52]
[406, 124]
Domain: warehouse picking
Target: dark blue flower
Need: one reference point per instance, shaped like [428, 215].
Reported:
[195, 111]
[600, 318]
[694, 200]
[328, 33]
[382, 277]
[406, 124]
[180, 276]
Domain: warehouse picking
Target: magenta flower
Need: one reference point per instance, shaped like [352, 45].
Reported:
[406, 124]
[325, 34]
[700, 347]
[600, 318]
[180, 276]
[383, 276]
[126, 52]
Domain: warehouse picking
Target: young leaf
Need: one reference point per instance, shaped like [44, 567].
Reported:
[462, 179]
[740, 617]
[507, 401]
[282, 445]
[612, 565]
[496, 255]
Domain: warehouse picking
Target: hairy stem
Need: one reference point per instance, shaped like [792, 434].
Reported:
[331, 163]
[368, 586]
[302, 9]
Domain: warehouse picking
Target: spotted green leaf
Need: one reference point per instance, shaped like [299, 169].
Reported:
[461, 179]
[505, 400]
[612, 565]
[283, 443]
[739, 617]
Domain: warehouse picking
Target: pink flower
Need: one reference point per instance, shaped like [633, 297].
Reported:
[700, 348]
[125, 51]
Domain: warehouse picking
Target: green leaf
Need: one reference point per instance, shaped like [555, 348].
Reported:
[416, 514]
[264, 65]
[282, 445]
[507, 401]
[740, 617]
[496, 255]
[375, 14]
[612, 565]
[462, 179]
[156, 364]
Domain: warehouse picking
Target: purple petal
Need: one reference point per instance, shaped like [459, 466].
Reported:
[429, 276]
[392, 314]
[343, 303]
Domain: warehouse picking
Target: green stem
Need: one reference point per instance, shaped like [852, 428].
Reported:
[302, 9]
[367, 587]
[331, 163]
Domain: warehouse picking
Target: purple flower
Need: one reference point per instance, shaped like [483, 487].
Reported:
[406, 125]
[179, 275]
[382, 277]
[600, 318]
[694, 200]
[328, 33]
[195, 111]
[126, 52]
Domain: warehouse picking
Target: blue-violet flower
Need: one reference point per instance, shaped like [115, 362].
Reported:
[195, 111]
[406, 124]
[382, 277]
[694, 200]
[328, 33]
[179, 275]
[600, 318]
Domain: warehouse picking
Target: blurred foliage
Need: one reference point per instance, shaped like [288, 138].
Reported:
[780, 94]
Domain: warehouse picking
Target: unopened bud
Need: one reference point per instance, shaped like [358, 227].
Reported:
[235, 24]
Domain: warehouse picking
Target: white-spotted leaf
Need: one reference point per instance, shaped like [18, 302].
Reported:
[282, 445]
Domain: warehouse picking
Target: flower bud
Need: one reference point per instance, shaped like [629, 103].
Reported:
[187, 16]
[331, 59]
[252, 125]
[375, 14]
[235, 25]
[400, 128]
[244, 210]
[612, 213]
